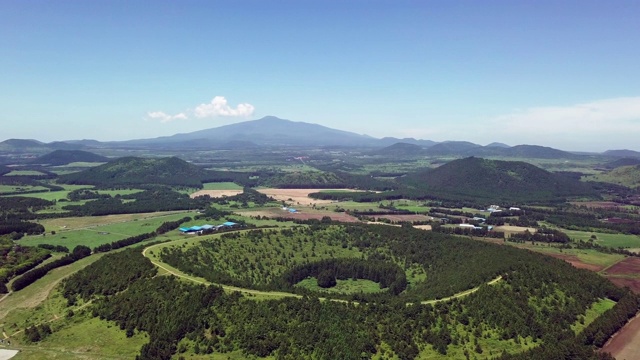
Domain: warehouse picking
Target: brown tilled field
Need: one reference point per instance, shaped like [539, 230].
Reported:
[576, 262]
[625, 344]
[297, 196]
[215, 193]
[628, 266]
[631, 283]
[400, 218]
[303, 215]
[598, 204]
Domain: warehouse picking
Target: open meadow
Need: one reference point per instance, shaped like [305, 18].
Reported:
[97, 230]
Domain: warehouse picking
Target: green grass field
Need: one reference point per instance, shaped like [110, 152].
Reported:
[5, 189]
[57, 195]
[610, 240]
[24, 173]
[598, 308]
[85, 338]
[587, 256]
[221, 186]
[82, 231]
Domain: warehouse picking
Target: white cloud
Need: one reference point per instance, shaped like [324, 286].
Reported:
[163, 117]
[219, 107]
[609, 116]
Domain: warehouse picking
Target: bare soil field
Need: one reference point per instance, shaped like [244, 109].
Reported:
[423, 227]
[400, 218]
[275, 213]
[625, 344]
[628, 266]
[297, 196]
[598, 204]
[513, 229]
[215, 193]
[381, 223]
[631, 283]
[576, 262]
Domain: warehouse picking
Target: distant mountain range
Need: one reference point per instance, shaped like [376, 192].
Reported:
[271, 131]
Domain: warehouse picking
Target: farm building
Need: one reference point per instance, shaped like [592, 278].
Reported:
[292, 210]
[198, 229]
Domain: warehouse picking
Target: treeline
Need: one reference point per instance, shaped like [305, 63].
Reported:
[86, 194]
[21, 207]
[56, 248]
[153, 199]
[246, 196]
[542, 234]
[468, 231]
[388, 275]
[18, 228]
[162, 229]
[31, 276]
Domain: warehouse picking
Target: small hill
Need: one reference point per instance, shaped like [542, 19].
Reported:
[622, 162]
[538, 152]
[399, 150]
[513, 181]
[387, 141]
[622, 153]
[22, 143]
[452, 148]
[498, 145]
[136, 171]
[61, 145]
[64, 157]
[628, 176]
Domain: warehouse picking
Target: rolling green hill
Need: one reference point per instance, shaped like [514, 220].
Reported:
[628, 176]
[139, 171]
[477, 178]
[64, 157]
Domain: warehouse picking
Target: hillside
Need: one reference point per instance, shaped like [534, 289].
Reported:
[622, 162]
[628, 176]
[64, 157]
[622, 153]
[477, 178]
[400, 150]
[452, 148]
[133, 170]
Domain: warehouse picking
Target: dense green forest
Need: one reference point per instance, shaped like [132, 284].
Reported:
[539, 298]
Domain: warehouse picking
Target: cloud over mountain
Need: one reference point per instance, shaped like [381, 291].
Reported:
[218, 107]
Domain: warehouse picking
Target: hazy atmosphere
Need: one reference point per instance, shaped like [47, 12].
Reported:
[561, 74]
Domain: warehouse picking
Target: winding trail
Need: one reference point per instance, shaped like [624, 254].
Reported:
[284, 294]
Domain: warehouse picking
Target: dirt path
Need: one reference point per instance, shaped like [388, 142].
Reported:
[285, 294]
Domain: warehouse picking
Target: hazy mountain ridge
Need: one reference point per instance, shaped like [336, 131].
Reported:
[272, 131]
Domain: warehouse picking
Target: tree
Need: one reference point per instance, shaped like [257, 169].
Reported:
[327, 279]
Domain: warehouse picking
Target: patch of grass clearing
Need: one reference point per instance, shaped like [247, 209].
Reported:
[349, 286]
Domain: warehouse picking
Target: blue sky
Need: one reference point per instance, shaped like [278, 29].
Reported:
[555, 73]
